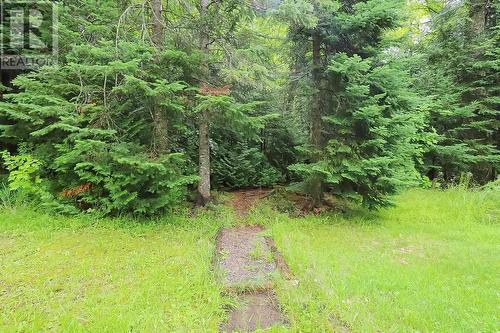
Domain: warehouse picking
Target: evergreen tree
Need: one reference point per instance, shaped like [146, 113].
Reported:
[362, 116]
[344, 96]
[460, 75]
[89, 121]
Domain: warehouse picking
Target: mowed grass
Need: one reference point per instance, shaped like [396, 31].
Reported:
[430, 264]
[77, 275]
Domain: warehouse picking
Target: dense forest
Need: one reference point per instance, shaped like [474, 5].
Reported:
[249, 165]
[153, 104]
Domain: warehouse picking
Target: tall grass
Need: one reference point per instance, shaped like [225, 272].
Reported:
[429, 264]
[8, 197]
[87, 274]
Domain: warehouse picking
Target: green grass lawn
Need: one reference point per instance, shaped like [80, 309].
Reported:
[429, 265]
[73, 275]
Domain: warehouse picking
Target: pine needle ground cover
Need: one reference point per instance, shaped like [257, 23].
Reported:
[75, 275]
[428, 265]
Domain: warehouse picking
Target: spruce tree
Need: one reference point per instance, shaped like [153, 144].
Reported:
[363, 120]
[459, 75]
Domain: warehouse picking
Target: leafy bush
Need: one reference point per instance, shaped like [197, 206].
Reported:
[24, 175]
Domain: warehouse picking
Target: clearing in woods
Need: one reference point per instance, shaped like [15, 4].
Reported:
[430, 263]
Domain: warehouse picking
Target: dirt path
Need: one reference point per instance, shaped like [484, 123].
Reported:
[243, 200]
[244, 257]
[247, 262]
[256, 310]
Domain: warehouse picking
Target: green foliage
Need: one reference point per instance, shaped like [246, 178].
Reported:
[391, 87]
[88, 122]
[225, 111]
[8, 198]
[373, 149]
[242, 167]
[460, 79]
[241, 164]
[24, 172]
[370, 119]
[121, 179]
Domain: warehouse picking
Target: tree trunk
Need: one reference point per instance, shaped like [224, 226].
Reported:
[315, 184]
[317, 106]
[160, 126]
[204, 156]
[160, 131]
[204, 126]
[482, 14]
[158, 35]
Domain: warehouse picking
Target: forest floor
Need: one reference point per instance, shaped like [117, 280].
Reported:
[428, 264]
[243, 200]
